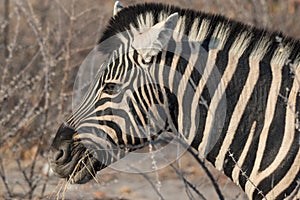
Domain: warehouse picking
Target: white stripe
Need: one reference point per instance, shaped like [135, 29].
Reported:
[145, 23]
[179, 29]
[161, 67]
[254, 59]
[210, 66]
[203, 30]
[194, 30]
[177, 36]
[216, 44]
[198, 35]
[256, 177]
[96, 142]
[182, 89]
[289, 135]
[162, 16]
[172, 71]
[239, 111]
[99, 140]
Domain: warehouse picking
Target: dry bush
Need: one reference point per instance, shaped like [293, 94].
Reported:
[42, 44]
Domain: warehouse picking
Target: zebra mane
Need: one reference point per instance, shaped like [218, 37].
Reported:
[273, 46]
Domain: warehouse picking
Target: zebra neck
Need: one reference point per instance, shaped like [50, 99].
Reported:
[233, 88]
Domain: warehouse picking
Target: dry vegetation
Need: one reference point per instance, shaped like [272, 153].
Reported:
[42, 44]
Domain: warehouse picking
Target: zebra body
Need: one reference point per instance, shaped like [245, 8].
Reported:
[230, 90]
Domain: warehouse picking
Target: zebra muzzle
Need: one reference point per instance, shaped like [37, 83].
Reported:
[70, 159]
[85, 170]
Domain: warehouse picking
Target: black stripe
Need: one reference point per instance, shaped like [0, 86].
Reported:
[128, 77]
[166, 68]
[134, 112]
[122, 114]
[116, 128]
[255, 111]
[173, 106]
[233, 92]
[153, 89]
[135, 56]
[145, 104]
[114, 69]
[102, 101]
[285, 165]
[95, 131]
[293, 186]
[267, 184]
[120, 68]
[278, 124]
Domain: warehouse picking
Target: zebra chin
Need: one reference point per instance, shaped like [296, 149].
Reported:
[70, 159]
[80, 169]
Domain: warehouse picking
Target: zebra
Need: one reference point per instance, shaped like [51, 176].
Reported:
[181, 67]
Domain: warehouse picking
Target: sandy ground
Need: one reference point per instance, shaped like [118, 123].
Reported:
[112, 184]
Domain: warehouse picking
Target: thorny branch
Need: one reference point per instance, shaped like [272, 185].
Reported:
[67, 57]
[188, 184]
[148, 179]
[28, 84]
[4, 180]
[6, 28]
[208, 173]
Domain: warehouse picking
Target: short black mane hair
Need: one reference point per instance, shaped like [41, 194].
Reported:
[129, 16]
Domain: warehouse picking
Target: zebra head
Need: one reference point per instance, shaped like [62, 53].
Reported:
[125, 107]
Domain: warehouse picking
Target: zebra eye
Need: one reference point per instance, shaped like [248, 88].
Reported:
[111, 88]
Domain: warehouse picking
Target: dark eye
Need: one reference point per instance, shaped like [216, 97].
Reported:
[111, 88]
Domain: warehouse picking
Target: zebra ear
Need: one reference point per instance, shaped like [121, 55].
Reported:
[117, 7]
[150, 42]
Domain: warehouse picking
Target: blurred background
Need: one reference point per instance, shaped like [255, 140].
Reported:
[42, 44]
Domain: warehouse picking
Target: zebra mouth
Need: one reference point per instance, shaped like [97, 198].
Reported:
[75, 164]
[85, 169]
[70, 159]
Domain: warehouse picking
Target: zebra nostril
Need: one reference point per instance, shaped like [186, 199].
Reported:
[59, 156]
